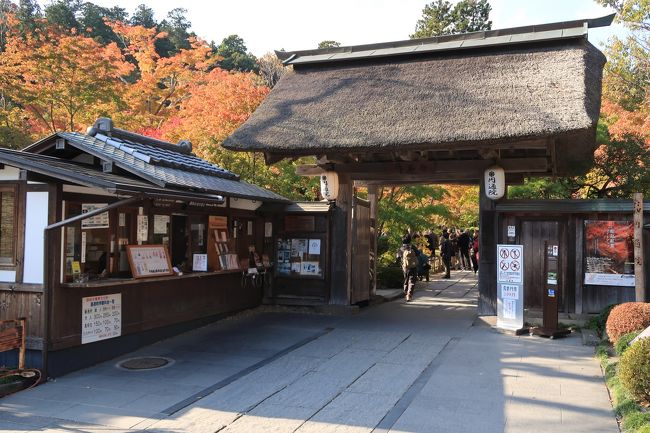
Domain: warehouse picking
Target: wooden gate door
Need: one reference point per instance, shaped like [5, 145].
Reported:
[360, 270]
[533, 236]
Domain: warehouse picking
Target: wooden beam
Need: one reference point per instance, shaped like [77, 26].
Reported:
[511, 165]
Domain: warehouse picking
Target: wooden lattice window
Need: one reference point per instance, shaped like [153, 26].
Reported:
[8, 226]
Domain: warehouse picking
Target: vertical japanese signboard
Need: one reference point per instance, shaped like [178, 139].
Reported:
[510, 287]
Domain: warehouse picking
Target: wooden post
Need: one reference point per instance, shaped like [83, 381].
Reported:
[341, 238]
[639, 271]
[487, 286]
[372, 198]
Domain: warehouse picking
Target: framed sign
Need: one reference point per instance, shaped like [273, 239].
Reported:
[94, 222]
[149, 261]
[609, 253]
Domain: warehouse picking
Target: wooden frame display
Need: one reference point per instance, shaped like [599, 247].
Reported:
[149, 261]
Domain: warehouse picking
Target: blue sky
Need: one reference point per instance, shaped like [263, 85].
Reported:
[301, 24]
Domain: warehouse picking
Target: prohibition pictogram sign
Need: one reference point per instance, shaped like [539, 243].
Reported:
[504, 253]
[514, 253]
[514, 266]
[503, 265]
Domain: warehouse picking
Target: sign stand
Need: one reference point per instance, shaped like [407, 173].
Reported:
[551, 294]
[510, 290]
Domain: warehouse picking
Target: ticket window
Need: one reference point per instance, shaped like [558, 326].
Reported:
[86, 243]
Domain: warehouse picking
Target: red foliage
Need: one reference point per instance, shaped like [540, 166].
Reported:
[627, 317]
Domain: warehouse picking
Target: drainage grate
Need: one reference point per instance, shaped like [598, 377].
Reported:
[145, 363]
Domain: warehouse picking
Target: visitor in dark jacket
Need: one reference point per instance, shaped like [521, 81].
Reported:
[464, 243]
[446, 253]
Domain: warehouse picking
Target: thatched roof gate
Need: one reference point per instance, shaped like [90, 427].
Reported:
[436, 110]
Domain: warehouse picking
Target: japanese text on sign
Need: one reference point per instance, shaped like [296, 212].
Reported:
[101, 317]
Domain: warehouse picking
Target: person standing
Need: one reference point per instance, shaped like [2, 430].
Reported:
[445, 254]
[410, 269]
[464, 243]
[475, 251]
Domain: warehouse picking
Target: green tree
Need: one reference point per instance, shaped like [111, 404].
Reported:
[401, 208]
[63, 13]
[92, 19]
[28, 13]
[329, 44]
[143, 16]
[440, 17]
[177, 27]
[236, 56]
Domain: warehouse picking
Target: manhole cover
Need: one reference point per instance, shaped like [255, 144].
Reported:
[145, 363]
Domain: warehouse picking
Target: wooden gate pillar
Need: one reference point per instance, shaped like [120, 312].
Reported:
[488, 231]
[372, 198]
[341, 239]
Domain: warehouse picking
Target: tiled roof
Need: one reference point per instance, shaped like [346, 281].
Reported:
[165, 167]
[86, 175]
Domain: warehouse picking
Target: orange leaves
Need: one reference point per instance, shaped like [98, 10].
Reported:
[62, 80]
[161, 84]
[219, 103]
[624, 124]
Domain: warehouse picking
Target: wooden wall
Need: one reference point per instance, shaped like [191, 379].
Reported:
[532, 229]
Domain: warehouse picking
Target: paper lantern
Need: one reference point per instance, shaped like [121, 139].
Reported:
[495, 182]
[329, 185]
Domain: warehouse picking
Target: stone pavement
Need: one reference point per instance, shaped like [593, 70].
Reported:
[397, 367]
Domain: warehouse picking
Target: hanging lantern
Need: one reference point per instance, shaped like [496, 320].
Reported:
[329, 185]
[495, 182]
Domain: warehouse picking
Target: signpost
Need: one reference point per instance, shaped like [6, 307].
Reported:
[510, 290]
[639, 273]
[551, 295]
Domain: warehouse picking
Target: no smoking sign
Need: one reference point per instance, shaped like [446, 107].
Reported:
[510, 266]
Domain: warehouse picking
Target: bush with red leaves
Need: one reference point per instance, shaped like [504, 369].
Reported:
[627, 317]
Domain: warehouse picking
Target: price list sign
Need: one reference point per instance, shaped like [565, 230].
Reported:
[101, 317]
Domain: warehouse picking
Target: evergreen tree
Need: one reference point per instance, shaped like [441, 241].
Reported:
[29, 11]
[329, 44]
[63, 13]
[143, 16]
[235, 55]
[440, 17]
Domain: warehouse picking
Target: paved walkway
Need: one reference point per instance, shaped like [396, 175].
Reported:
[419, 367]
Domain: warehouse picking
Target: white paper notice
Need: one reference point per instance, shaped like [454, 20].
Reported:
[200, 262]
[309, 268]
[143, 228]
[511, 231]
[101, 317]
[249, 228]
[314, 246]
[268, 229]
[83, 247]
[97, 221]
[509, 309]
[160, 223]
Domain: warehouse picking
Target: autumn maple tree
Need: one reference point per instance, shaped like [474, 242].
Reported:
[61, 80]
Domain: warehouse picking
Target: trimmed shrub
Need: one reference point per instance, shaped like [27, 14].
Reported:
[627, 317]
[624, 341]
[598, 322]
[390, 277]
[634, 370]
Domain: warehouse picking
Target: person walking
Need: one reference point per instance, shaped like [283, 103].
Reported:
[410, 269]
[445, 254]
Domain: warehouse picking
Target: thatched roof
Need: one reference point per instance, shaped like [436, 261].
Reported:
[438, 99]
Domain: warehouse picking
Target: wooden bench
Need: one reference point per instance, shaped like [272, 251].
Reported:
[12, 336]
